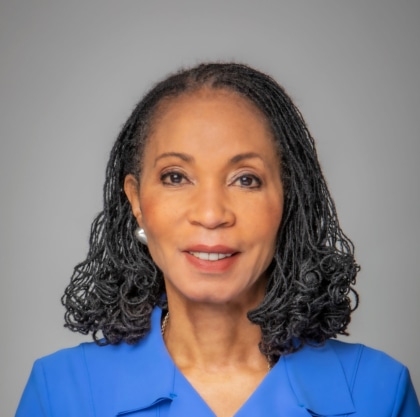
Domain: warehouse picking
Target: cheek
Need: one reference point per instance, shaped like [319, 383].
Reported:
[159, 218]
[155, 227]
[264, 218]
[275, 207]
[151, 213]
[270, 227]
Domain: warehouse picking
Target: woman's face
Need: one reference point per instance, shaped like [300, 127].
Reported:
[210, 198]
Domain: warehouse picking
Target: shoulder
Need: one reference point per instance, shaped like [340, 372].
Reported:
[71, 356]
[88, 372]
[363, 357]
[362, 363]
[84, 359]
[72, 367]
[377, 381]
[339, 377]
[354, 358]
[53, 384]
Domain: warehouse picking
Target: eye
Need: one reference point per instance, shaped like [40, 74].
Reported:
[173, 178]
[248, 181]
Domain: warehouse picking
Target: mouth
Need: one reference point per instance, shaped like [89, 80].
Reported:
[211, 259]
[210, 256]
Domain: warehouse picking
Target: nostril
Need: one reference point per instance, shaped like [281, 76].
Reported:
[211, 210]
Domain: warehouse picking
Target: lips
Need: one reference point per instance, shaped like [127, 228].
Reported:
[213, 259]
[211, 249]
[210, 256]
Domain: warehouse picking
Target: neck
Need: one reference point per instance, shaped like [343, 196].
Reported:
[213, 338]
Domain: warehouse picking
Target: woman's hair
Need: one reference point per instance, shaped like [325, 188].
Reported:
[309, 292]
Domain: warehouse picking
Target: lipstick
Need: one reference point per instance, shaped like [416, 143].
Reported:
[211, 259]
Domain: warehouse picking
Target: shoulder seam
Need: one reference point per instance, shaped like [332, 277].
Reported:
[92, 404]
[45, 381]
[356, 366]
[400, 386]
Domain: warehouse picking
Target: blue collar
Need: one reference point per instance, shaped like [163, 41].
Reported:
[312, 379]
[150, 369]
[318, 380]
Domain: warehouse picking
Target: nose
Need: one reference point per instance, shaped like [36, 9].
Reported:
[211, 207]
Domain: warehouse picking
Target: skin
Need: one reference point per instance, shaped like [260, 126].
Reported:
[211, 176]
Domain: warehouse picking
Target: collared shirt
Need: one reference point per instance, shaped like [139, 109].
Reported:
[336, 379]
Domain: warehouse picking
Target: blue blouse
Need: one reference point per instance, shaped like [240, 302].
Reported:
[337, 379]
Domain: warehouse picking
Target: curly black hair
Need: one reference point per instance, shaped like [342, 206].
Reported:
[309, 295]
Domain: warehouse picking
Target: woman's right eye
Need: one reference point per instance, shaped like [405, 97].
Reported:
[173, 178]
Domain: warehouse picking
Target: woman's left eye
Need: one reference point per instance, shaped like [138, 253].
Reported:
[248, 181]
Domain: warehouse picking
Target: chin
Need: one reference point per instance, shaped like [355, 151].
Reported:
[218, 292]
[218, 297]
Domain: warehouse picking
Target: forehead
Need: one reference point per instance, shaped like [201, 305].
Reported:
[210, 111]
[208, 95]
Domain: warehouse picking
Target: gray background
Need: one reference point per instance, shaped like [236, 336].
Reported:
[72, 71]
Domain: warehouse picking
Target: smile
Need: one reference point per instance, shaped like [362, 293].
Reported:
[206, 256]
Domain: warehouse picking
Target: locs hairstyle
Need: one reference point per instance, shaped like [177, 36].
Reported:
[309, 295]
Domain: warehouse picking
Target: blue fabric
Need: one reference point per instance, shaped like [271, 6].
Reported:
[336, 379]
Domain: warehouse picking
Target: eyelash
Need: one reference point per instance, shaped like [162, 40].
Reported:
[164, 177]
[251, 177]
[168, 178]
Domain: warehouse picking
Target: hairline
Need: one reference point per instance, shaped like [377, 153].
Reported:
[164, 103]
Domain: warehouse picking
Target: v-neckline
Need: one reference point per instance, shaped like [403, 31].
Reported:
[182, 384]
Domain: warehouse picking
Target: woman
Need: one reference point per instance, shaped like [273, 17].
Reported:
[217, 272]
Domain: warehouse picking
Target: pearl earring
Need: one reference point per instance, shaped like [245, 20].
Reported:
[140, 235]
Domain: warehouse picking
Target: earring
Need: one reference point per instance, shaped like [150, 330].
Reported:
[140, 235]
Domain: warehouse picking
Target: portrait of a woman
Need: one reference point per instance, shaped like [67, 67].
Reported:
[218, 277]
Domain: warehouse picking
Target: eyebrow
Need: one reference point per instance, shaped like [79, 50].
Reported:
[188, 158]
[242, 156]
[183, 156]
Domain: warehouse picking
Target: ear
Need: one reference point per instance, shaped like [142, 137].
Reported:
[132, 191]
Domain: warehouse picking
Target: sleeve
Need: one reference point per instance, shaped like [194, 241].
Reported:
[34, 401]
[406, 403]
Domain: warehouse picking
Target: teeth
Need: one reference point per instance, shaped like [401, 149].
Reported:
[210, 256]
